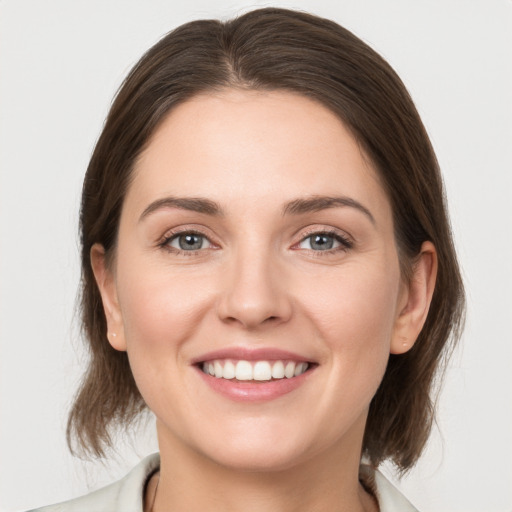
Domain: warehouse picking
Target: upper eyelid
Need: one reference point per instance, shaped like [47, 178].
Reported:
[173, 236]
[326, 230]
[174, 232]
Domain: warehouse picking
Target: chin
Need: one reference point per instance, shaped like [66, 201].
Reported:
[263, 451]
[256, 460]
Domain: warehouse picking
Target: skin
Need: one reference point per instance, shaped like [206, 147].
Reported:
[258, 282]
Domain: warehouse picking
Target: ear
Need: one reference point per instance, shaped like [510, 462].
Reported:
[415, 300]
[105, 280]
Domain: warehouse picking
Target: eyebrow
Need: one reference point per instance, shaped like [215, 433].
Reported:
[317, 203]
[295, 207]
[193, 204]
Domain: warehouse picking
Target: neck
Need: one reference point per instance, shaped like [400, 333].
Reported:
[189, 481]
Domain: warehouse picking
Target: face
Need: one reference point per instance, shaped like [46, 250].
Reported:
[255, 243]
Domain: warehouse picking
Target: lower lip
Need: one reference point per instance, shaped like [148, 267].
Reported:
[253, 391]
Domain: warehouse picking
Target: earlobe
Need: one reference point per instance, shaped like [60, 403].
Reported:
[415, 300]
[107, 287]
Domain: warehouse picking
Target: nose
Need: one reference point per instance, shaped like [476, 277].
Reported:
[254, 292]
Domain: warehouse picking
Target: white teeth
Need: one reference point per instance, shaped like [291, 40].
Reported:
[260, 370]
[289, 371]
[243, 370]
[278, 370]
[218, 369]
[299, 369]
[229, 370]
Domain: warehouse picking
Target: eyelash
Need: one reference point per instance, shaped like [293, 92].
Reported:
[172, 235]
[345, 243]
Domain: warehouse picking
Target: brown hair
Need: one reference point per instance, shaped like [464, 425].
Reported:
[277, 49]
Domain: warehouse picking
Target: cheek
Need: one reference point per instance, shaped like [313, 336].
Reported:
[161, 311]
[357, 305]
[354, 315]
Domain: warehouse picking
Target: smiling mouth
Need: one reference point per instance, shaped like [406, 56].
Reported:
[257, 371]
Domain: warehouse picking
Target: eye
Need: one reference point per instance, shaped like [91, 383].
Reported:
[324, 242]
[189, 241]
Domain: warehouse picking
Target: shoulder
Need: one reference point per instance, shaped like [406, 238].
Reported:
[390, 499]
[126, 495]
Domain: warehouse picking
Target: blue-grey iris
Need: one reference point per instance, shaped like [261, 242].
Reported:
[322, 242]
[190, 242]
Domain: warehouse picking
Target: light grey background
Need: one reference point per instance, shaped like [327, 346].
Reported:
[60, 63]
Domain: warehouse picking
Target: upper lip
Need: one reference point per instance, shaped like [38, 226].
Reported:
[250, 354]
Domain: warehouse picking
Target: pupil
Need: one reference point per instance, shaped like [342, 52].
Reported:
[189, 242]
[322, 242]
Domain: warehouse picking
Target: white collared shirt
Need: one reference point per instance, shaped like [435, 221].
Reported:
[127, 494]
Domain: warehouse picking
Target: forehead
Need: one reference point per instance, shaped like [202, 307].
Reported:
[239, 145]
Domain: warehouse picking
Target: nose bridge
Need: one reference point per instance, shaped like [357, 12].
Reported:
[254, 293]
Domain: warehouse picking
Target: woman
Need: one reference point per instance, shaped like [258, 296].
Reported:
[268, 267]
